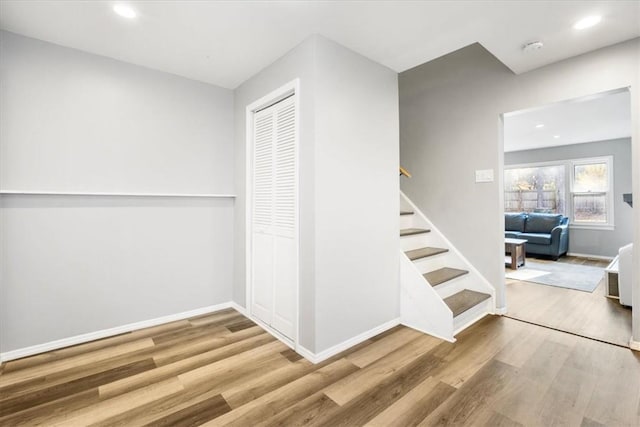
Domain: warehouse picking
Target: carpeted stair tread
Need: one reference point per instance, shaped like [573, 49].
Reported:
[465, 300]
[406, 213]
[424, 252]
[413, 231]
[441, 275]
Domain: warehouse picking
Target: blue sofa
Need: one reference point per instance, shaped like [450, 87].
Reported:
[546, 234]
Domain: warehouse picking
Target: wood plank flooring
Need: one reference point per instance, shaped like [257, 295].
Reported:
[221, 369]
[588, 314]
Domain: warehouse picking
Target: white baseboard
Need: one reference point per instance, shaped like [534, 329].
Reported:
[338, 348]
[307, 354]
[105, 333]
[240, 309]
[92, 336]
[501, 310]
[634, 345]
[604, 258]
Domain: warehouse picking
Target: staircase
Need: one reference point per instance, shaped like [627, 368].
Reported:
[442, 293]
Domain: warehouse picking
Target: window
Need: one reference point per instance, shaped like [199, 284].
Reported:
[591, 192]
[581, 189]
[535, 189]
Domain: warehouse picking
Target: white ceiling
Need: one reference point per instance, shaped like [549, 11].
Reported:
[595, 118]
[226, 42]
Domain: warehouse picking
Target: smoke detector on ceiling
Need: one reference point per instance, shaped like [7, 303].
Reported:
[532, 46]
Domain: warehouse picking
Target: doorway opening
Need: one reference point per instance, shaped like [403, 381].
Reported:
[566, 181]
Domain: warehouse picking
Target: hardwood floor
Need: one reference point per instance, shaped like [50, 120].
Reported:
[221, 369]
[588, 314]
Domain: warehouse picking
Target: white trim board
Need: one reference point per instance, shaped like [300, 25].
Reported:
[338, 348]
[79, 193]
[105, 333]
[634, 345]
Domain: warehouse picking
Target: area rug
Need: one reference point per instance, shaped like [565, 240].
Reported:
[560, 274]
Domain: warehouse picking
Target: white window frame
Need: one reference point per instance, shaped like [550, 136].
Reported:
[569, 174]
[609, 194]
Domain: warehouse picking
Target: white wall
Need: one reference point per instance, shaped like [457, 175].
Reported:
[357, 202]
[450, 126]
[74, 265]
[80, 122]
[348, 189]
[72, 121]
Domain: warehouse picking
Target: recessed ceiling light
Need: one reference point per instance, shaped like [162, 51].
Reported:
[556, 136]
[541, 125]
[587, 22]
[125, 11]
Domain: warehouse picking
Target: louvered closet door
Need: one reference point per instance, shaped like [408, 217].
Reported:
[274, 255]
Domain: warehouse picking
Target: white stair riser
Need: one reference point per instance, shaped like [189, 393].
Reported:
[422, 240]
[415, 241]
[452, 286]
[469, 317]
[418, 222]
[406, 221]
[404, 206]
[434, 262]
[468, 281]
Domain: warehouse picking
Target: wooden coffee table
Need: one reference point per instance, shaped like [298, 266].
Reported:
[516, 248]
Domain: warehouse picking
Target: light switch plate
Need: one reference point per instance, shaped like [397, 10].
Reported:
[484, 175]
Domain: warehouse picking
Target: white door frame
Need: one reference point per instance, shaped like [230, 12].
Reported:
[289, 89]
